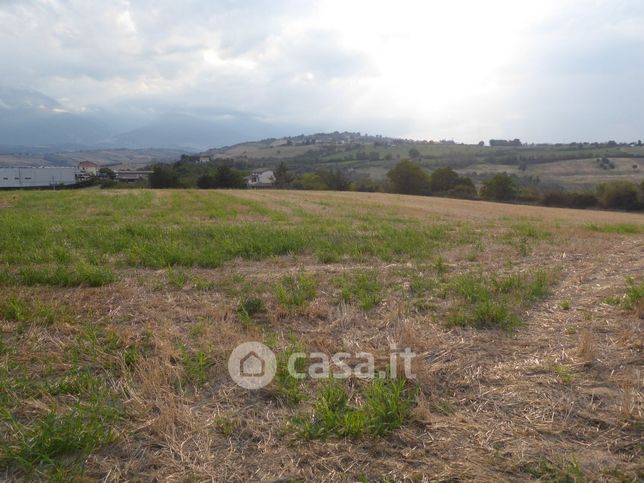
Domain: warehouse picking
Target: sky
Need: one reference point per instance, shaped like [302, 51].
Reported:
[542, 71]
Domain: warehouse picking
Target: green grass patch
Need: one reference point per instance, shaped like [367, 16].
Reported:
[288, 386]
[494, 302]
[363, 289]
[60, 239]
[563, 372]
[562, 471]
[619, 228]
[248, 308]
[386, 405]
[56, 444]
[295, 292]
[30, 311]
[195, 366]
[60, 276]
[634, 294]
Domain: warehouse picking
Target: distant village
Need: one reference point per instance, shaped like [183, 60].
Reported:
[59, 176]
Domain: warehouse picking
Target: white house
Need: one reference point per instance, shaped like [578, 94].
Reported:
[262, 178]
[88, 169]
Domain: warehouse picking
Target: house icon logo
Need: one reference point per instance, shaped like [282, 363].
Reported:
[252, 365]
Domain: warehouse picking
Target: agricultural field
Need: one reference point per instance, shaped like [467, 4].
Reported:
[119, 310]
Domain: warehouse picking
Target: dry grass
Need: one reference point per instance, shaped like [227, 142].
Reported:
[490, 406]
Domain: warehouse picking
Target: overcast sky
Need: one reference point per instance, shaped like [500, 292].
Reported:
[559, 70]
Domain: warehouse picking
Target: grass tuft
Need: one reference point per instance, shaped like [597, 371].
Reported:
[57, 444]
[361, 288]
[295, 292]
[386, 406]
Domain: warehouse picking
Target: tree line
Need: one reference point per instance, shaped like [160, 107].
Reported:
[406, 177]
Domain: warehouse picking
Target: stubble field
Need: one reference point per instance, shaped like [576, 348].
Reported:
[119, 309]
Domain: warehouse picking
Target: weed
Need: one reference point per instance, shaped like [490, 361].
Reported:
[15, 310]
[295, 292]
[248, 308]
[538, 287]
[225, 425]
[440, 266]
[613, 300]
[289, 386]
[565, 471]
[195, 366]
[329, 410]
[362, 288]
[444, 408]
[494, 301]
[420, 284]
[201, 283]
[564, 304]
[177, 278]
[387, 404]
[59, 442]
[563, 372]
[530, 230]
[634, 294]
[20, 310]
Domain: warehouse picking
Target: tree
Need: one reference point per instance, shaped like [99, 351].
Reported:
[106, 173]
[163, 176]
[282, 177]
[206, 181]
[408, 178]
[222, 177]
[443, 179]
[414, 153]
[446, 181]
[334, 179]
[310, 181]
[500, 187]
[227, 177]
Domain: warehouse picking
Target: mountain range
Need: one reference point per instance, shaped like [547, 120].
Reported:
[30, 119]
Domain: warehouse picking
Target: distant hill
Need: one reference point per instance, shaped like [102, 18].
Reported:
[122, 158]
[572, 166]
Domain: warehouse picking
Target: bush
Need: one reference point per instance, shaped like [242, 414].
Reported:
[569, 200]
[501, 187]
[409, 178]
[310, 181]
[620, 195]
[163, 177]
[447, 181]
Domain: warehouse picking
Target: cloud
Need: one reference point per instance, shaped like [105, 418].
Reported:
[548, 70]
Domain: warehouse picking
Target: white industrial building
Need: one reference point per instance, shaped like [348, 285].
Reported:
[31, 177]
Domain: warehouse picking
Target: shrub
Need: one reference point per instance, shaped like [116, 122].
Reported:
[501, 187]
[409, 178]
[620, 195]
[447, 181]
